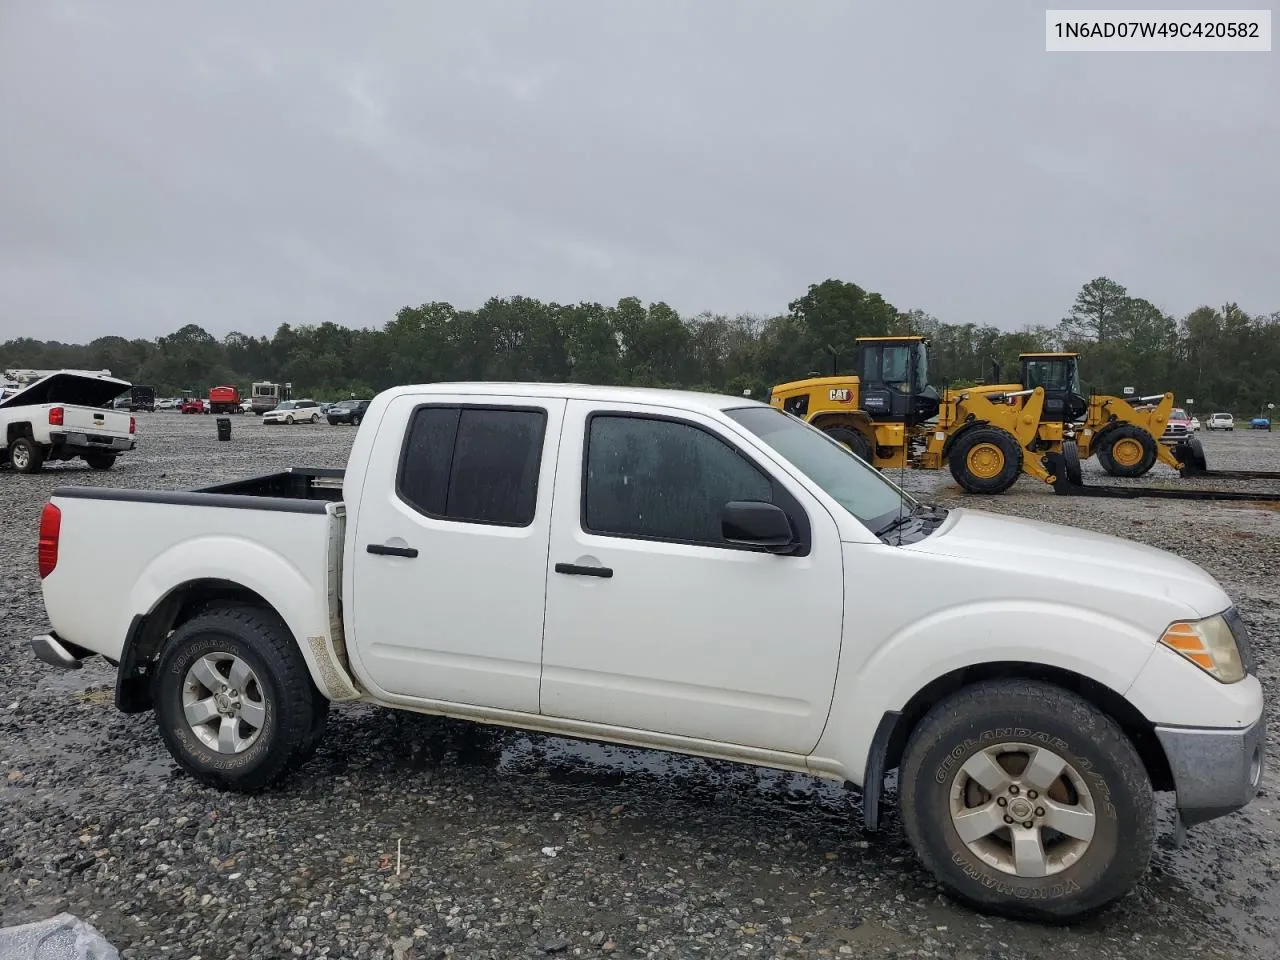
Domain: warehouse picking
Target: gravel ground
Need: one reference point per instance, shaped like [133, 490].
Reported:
[512, 845]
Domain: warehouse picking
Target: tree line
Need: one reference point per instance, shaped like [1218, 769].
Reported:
[1221, 356]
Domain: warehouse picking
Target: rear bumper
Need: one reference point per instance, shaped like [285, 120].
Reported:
[1215, 771]
[93, 443]
[57, 652]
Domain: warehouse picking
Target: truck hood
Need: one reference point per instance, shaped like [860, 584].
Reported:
[1075, 557]
[70, 387]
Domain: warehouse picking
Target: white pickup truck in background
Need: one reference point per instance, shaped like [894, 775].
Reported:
[686, 572]
[62, 416]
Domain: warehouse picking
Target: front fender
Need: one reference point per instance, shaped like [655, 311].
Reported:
[290, 591]
[1105, 649]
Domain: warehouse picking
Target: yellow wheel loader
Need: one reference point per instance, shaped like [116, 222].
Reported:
[888, 414]
[1125, 437]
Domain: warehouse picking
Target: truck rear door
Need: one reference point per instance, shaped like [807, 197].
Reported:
[448, 550]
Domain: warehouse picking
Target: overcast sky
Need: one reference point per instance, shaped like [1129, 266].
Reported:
[240, 164]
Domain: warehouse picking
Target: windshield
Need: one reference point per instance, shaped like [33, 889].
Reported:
[287, 405]
[1178, 414]
[847, 478]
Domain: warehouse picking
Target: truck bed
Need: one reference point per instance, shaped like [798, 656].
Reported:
[296, 483]
[277, 535]
[295, 490]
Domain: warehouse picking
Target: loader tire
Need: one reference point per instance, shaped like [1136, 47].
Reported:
[1012, 761]
[1127, 451]
[1071, 463]
[855, 441]
[986, 460]
[267, 721]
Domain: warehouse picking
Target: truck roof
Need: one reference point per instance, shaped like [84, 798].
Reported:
[685, 399]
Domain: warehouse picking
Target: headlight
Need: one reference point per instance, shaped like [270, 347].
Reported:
[1209, 644]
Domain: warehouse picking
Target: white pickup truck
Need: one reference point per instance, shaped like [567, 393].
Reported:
[62, 416]
[686, 572]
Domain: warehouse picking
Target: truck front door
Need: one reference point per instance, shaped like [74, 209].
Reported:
[653, 621]
[449, 550]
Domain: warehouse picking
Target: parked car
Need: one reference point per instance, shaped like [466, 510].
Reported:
[193, 405]
[1260, 423]
[64, 416]
[1221, 421]
[689, 572]
[1195, 424]
[293, 411]
[1179, 425]
[348, 411]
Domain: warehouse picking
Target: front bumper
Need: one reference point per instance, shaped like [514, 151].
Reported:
[1215, 771]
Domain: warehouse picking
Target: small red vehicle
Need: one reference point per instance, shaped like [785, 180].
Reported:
[192, 405]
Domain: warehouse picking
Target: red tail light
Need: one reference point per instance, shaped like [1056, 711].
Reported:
[50, 529]
[55, 416]
[133, 425]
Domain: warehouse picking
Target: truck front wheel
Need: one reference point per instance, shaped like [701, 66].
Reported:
[234, 699]
[1027, 801]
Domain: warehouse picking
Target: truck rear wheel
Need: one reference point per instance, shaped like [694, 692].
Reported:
[855, 441]
[1127, 451]
[986, 460]
[1027, 801]
[234, 699]
[100, 461]
[25, 455]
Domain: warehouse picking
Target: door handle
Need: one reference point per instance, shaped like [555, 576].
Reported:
[577, 570]
[383, 550]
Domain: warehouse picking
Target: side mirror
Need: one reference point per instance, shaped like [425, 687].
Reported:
[757, 524]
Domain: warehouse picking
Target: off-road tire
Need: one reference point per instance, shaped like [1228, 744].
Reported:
[295, 710]
[957, 460]
[1012, 710]
[1071, 463]
[33, 461]
[853, 439]
[100, 461]
[1114, 436]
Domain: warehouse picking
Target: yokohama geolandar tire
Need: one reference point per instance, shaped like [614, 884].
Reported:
[855, 441]
[234, 699]
[1027, 801]
[985, 460]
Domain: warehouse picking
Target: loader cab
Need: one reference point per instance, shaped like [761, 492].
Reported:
[1059, 375]
[893, 373]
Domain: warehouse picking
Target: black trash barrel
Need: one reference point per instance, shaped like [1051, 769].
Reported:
[224, 428]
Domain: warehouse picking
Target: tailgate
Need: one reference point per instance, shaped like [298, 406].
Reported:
[95, 420]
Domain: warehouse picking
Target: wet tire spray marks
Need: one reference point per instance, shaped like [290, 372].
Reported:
[512, 845]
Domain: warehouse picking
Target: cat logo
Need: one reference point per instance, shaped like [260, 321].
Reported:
[839, 395]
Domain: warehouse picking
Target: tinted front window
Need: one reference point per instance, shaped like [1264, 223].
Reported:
[474, 464]
[846, 478]
[663, 479]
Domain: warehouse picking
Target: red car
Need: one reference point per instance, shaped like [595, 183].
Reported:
[192, 405]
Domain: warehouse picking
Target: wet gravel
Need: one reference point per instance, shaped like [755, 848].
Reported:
[410, 838]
